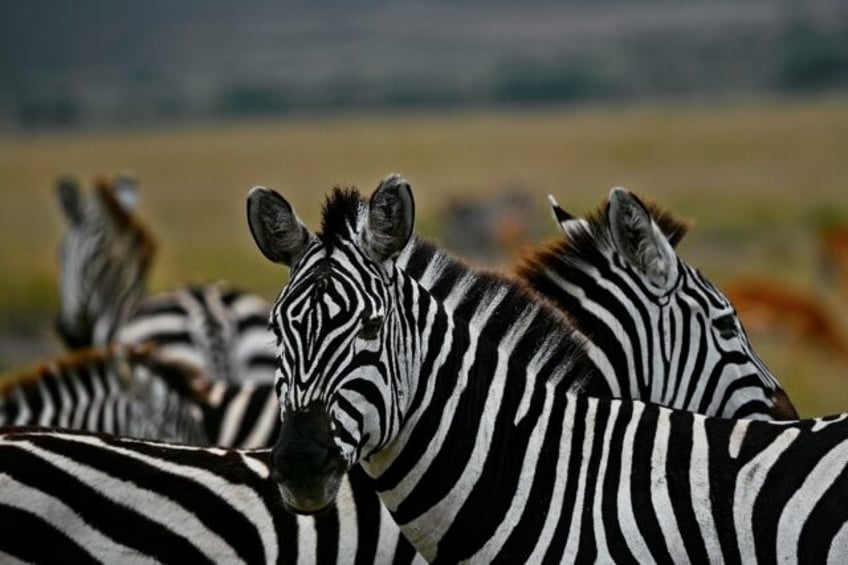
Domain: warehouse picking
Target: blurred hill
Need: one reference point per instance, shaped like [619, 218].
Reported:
[119, 63]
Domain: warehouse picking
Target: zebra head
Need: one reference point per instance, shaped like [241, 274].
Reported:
[334, 321]
[659, 330]
[104, 259]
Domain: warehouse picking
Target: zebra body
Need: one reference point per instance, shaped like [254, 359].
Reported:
[119, 390]
[215, 326]
[245, 416]
[94, 498]
[458, 399]
[657, 329]
[105, 259]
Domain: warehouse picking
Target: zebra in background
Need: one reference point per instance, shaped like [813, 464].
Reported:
[657, 329]
[435, 389]
[124, 390]
[105, 258]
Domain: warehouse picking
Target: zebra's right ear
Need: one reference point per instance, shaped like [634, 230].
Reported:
[391, 217]
[68, 192]
[640, 241]
[277, 230]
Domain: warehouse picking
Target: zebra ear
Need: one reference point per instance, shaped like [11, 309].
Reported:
[391, 216]
[68, 192]
[639, 239]
[277, 230]
[125, 188]
[563, 219]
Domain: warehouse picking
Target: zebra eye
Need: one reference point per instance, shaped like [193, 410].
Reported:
[370, 328]
[726, 326]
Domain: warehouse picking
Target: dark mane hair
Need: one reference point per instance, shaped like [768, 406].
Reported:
[340, 214]
[551, 331]
[182, 378]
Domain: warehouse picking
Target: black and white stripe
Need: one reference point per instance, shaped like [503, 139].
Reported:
[105, 258]
[217, 327]
[458, 397]
[91, 498]
[130, 392]
[118, 390]
[657, 329]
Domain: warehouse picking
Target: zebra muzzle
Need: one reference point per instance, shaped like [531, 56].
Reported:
[306, 463]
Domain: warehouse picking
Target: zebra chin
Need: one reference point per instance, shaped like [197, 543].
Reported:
[311, 499]
[306, 463]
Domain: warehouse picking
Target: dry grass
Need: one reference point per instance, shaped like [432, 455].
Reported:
[757, 177]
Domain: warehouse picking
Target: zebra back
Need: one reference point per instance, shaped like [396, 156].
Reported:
[216, 327]
[120, 390]
[105, 257]
[90, 497]
[657, 329]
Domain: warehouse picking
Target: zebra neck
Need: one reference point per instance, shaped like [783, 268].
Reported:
[462, 464]
[481, 379]
[115, 313]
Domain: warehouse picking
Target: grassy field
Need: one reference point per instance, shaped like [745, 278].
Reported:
[759, 178]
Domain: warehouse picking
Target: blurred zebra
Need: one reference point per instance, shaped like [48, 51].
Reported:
[457, 395]
[121, 389]
[105, 258]
[130, 390]
[657, 329]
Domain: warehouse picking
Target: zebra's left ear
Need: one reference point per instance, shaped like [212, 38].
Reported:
[391, 216]
[640, 241]
[277, 230]
[565, 220]
[70, 199]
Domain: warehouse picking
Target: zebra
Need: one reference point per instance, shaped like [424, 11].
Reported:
[80, 497]
[130, 390]
[657, 329]
[461, 401]
[121, 389]
[105, 258]
[230, 392]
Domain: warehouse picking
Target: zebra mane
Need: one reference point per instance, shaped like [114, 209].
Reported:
[590, 238]
[181, 378]
[551, 329]
[66, 365]
[124, 221]
[340, 215]
[439, 272]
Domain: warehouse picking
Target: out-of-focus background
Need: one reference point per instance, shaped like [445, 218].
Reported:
[731, 113]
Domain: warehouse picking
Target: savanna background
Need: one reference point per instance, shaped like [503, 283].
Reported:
[732, 114]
